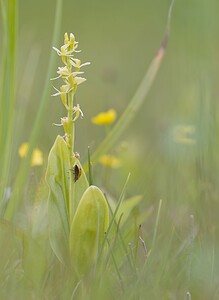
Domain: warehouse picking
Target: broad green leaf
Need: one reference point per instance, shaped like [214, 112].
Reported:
[57, 177]
[88, 228]
[80, 185]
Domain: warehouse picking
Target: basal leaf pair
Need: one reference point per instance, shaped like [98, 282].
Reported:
[79, 239]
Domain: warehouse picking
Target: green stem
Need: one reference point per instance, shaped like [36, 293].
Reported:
[25, 165]
[156, 225]
[71, 136]
[7, 88]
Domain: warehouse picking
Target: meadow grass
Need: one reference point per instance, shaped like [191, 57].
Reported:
[167, 249]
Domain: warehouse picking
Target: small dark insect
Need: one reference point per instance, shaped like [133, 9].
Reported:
[77, 172]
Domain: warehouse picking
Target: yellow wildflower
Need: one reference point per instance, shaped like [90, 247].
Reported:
[22, 151]
[110, 161]
[37, 155]
[182, 134]
[105, 118]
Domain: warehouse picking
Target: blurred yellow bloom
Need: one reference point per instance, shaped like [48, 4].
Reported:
[110, 161]
[37, 155]
[182, 134]
[105, 118]
[23, 150]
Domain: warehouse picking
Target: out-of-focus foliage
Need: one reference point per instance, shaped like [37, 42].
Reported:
[171, 148]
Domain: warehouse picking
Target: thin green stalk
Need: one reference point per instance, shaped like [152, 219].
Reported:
[9, 14]
[25, 164]
[138, 282]
[156, 225]
[3, 81]
[71, 136]
[106, 261]
[113, 216]
[116, 267]
[119, 234]
[113, 222]
[90, 174]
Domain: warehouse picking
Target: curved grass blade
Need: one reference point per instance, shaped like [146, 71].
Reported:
[7, 89]
[137, 100]
[24, 167]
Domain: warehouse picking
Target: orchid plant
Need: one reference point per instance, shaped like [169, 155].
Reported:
[78, 211]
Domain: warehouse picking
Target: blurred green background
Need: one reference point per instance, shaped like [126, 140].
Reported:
[171, 148]
[120, 39]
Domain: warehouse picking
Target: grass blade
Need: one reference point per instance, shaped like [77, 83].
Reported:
[7, 98]
[24, 167]
[137, 100]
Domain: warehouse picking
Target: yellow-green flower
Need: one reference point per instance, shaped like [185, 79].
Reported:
[105, 118]
[37, 155]
[66, 72]
[110, 161]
